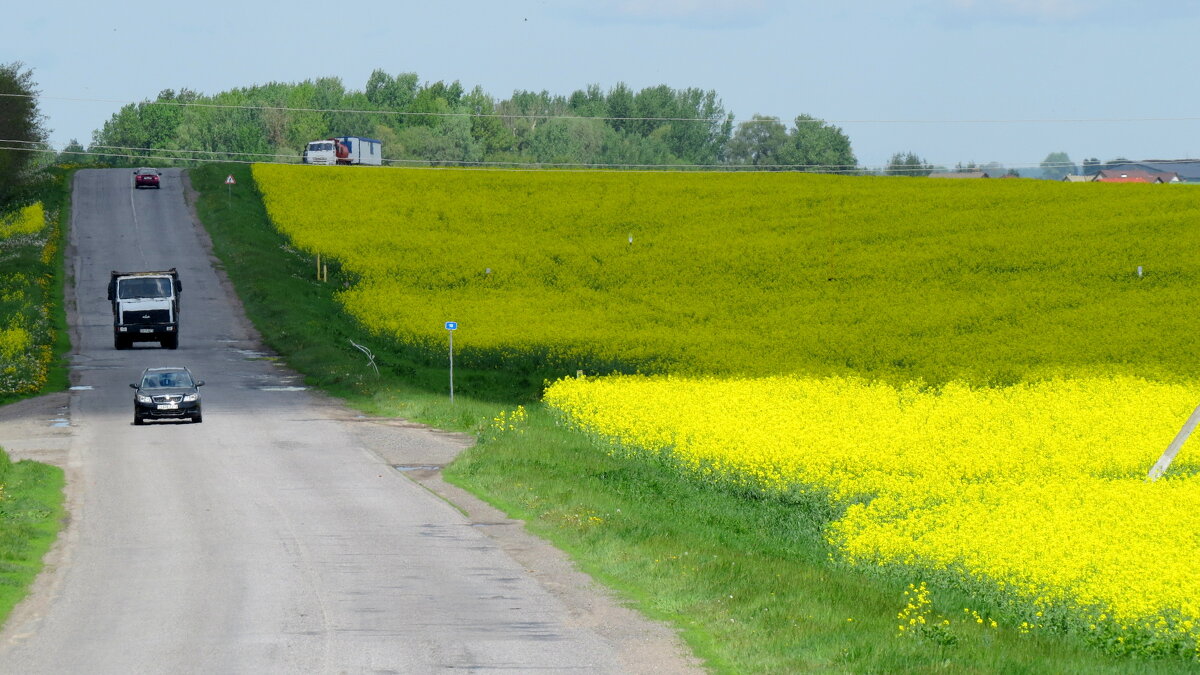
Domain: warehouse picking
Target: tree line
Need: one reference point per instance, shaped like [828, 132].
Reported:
[23, 132]
[446, 124]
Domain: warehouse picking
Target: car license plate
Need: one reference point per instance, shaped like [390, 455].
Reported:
[146, 330]
[167, 406]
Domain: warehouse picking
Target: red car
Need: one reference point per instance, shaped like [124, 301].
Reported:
[146, 178]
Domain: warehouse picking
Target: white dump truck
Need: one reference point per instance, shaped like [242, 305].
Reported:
[145, 307]
[344, 150]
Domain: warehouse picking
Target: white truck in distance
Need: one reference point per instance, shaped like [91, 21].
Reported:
[145, 307]
[345, 150]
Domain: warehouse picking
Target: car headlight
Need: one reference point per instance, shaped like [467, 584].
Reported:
[142, 398]
[188, 398]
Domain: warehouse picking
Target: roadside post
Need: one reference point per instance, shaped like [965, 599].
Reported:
[451, 326]
[229, 183]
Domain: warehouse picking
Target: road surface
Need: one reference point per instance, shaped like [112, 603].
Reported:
[276, 536]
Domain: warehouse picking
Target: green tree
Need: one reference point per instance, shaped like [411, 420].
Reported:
[20, 127]
[569, 141]
[702, 138]
[73, 153]
[758, 142]
[391, 93]
[589, 103]
[487, 128]
[620, 107]
[907, 164]
[527, 110]
[813, 145]
[121, 131]
[1056, 165]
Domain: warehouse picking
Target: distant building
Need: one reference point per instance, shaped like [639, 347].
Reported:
[1124, 176]
[1185, 170]
[1075, 178]
[959, 174]
[1167, 178]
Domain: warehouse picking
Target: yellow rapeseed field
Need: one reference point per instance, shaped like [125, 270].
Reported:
[1035, 494]
[759, 274]
[973, 373]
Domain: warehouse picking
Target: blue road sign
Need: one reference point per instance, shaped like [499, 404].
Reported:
[451, 325]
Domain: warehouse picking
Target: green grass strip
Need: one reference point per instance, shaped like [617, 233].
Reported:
[31, 514]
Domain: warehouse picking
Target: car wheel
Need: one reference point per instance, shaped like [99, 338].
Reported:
[198, 419]
[138, 421]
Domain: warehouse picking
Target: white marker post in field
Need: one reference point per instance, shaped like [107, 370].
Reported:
[451, 326]
[1160, 467]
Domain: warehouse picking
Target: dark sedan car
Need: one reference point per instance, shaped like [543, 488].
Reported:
[167, 394]
[146, 178]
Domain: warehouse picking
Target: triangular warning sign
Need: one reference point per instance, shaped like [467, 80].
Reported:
[230, 181]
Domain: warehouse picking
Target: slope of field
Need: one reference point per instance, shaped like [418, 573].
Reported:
[973, 375]
[759, 274]
[1031, 496]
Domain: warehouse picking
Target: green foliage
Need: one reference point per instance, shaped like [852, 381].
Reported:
[811, 145]
[907, 164]
[443, 123]
[758, 142]
[20, 126]
[33, 335]
[1056, 165]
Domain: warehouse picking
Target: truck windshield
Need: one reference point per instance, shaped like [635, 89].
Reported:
[320, 146]
[152, 287]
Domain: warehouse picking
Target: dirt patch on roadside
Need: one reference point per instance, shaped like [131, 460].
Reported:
[38, 429]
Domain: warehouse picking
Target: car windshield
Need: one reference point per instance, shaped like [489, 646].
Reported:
[171, 378]
[149, 287]
[148, 172]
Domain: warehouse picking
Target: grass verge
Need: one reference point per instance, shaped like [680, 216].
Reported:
[748, 582]
[31, 515]
[31, 493]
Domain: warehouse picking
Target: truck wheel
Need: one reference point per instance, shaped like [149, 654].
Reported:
[171, 342]
[119, 342]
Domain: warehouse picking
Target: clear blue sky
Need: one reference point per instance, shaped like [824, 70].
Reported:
[946, 79]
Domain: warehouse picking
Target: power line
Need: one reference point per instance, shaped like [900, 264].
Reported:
[217, 156]
[380, 112]
[753, 120]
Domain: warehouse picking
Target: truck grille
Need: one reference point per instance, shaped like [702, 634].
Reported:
[146, 316]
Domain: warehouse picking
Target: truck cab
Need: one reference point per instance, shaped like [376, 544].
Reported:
[145, 307]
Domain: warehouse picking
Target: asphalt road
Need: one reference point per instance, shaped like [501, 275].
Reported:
[275, 537]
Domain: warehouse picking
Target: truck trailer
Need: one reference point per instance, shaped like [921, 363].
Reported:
[145, 307]
[345, 150]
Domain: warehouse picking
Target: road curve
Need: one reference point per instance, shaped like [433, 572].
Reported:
[273, 538]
